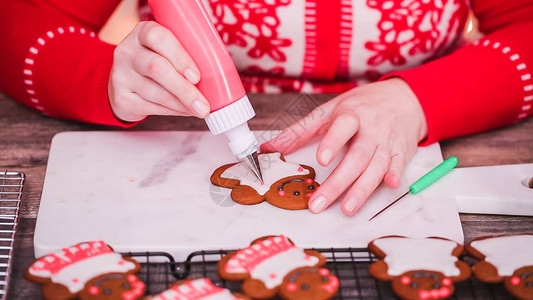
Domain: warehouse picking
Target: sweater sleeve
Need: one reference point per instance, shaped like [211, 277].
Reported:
[53, 60]
[484, 85]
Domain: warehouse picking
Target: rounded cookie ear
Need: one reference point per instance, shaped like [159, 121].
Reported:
[379, 270]
[246, 195]
[321, 258]
[217, 180]
[257, 289]
[135, 262]
[223, 273]
[312, 173]
[486, 272]
[54, 291]
[464, 271]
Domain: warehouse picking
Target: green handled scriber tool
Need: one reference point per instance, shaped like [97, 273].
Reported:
[426, 180]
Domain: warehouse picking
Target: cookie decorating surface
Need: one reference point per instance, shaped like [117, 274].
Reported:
[418, 254]
[506, 253]
[272, 167]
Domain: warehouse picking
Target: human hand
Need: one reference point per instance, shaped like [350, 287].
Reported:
[381, 124]
[152, 74]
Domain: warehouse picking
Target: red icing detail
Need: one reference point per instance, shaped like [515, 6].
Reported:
[309, 181]
[307, 257]
[281, 193]
[75, 280]
[300, 169]
[422, 294]
[120, 262]
[515, 280]
[55, 262]
[249, 257]
[447, 281]
[291, 287]
[323, 272]
[309, 195]
[444, 292]
[137, 291]
[405, 280]
[273, 275]
[332, 285]
[93, 290]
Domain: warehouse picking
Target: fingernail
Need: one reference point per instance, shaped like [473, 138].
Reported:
[318, 205]
[326, 155]
[351, 205]
[200, 108]
[191, 76]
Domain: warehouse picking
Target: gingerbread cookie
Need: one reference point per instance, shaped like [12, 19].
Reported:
[286, 185]
[423, 268]
[197, 289]
[273, 266]
[505, 259]
[88, 270]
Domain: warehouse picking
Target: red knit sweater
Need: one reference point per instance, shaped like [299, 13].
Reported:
[53, 61]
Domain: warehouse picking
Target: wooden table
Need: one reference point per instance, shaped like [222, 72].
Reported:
[25, 138]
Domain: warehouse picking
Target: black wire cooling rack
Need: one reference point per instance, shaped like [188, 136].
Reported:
[11, 185]
[350, 265]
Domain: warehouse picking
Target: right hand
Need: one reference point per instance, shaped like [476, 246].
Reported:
[152, 74]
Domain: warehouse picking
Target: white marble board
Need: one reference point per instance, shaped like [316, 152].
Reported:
[150, 191]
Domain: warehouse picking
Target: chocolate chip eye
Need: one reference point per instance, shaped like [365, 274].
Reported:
[414, 285]
[311, 187]
[106, 291]
[296, 193]
[305, 286]
[126, 285]
[325, 279]
[435, 286]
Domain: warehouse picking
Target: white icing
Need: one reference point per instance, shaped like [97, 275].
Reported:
[280, 265]
[507, 253]
[201, 287]
[272, 168]
[406, 254]
[76, 275]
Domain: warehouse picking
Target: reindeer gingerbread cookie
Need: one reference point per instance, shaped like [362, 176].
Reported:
[422, 268]
[197, 289]
[273, 266]
[286, 185]
[506, 259]
[86, 271]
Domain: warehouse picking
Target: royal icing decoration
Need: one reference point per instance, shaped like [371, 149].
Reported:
[272, 168]
[74, 266]
[506, 253]
[406, 254]
[269, 260]
[197, 289]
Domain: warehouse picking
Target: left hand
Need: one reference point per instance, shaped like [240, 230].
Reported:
[381, 123]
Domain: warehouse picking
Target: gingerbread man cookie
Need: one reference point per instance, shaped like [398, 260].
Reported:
[273, 266]
[422, 268]
[88, 270]
[286, 185]
[505, 259]
[197, 289]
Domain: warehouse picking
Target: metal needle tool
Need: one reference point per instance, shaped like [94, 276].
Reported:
[426, 180]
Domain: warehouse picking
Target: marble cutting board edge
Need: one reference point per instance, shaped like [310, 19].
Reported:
[150, 191]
